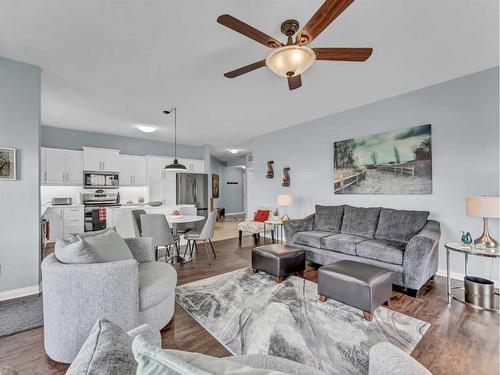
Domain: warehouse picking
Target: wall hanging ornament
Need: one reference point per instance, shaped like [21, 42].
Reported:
[270, 171]
[286, 177]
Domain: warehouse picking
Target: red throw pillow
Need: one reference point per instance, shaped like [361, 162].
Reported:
[261, 215]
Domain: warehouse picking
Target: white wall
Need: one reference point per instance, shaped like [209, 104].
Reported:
[20, 200]
[464, 114]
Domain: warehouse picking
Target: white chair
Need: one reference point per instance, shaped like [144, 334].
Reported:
[156, 226]
[204, 235]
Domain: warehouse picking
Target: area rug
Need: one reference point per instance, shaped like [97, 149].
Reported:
[21, 315]
[251, 314]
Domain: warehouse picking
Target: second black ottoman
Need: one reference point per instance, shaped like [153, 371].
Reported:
[278, 260]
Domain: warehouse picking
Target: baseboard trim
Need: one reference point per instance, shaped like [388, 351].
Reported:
[21, 292]
[460, 276]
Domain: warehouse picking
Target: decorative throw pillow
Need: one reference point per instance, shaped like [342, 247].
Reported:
[152, 360]
[78, 252]
[73, 237]
[109, 246]
[261, 215]
[108, 350]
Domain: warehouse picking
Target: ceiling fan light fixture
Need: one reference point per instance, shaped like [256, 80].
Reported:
[291, 60]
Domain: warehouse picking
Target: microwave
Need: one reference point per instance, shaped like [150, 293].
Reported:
[100, 180]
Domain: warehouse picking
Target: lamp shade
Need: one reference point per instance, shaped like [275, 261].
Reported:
[285, 200]
[290, 60]
[483, 207]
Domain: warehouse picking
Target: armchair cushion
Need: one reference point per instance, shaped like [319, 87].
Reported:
[251, 226]
[400, 225]
[157, 281]
[78, 252]
[108, 350]
[109, 246]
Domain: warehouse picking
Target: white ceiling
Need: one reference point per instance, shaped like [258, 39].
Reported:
[108, 65]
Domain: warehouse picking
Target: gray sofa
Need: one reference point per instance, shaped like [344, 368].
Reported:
[404, 242]
[128, 292]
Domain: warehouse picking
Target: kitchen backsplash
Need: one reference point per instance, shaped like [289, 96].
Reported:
[126, 193]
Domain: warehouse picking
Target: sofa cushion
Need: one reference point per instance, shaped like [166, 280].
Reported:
[360, 221]
[157, 281]
[328, 218]
[78, 252]
[108, 350]
[311, 237]
[109, 246]
[155, 361]
[383, 250]
[342, 243]
[400, 225]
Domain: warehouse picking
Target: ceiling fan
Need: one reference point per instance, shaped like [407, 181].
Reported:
[292, 59]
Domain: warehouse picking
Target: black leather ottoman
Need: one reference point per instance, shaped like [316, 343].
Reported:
[359, 285]
[278, 260]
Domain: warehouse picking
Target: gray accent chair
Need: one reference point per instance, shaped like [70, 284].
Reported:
[156, 226]
[136, 221]
[204, 235]
[404, 242]
[128, 293]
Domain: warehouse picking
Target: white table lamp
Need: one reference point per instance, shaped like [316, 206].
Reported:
[485, 207]
[285, 200]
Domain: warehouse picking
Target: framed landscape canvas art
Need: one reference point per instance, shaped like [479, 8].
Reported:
[7, 164]
[215, 186]
[396, 162]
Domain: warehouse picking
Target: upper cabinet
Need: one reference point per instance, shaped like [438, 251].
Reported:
[155, 167]
[61, 167]
[100, 159]
[194, 165]
[132, 170]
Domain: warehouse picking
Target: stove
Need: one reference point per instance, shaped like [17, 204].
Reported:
[95, 208]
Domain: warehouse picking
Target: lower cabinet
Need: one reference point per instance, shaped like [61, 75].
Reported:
[63, 221]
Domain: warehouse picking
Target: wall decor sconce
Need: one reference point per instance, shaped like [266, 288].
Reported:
[270, 171]
[286, 177]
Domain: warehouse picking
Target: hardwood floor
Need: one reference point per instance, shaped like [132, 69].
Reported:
[460, 341]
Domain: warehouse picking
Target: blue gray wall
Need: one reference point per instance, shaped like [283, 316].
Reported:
[20, 199]
[74, 140]
[464, 114]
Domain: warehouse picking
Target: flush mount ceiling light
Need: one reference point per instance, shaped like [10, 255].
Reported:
[175, 166]
[234, 151]
[146, 128]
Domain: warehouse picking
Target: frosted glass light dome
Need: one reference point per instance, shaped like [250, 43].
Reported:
[290, 60]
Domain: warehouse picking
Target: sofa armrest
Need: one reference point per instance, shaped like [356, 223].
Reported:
[76, 295]
[297, 225]
[142, 248]
[147, 333]
[386, 359]
[420, 260]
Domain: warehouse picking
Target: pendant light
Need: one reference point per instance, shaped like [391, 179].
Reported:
[175, 166]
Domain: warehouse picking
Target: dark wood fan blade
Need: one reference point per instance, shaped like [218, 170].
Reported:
[294, 82]
[245, 69]
[324, 16]
[249, 31]
[343, 54]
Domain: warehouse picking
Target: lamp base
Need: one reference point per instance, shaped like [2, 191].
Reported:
[485, 238]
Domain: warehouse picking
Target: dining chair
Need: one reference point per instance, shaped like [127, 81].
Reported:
[205, 235]
[156, 226]
[136, 221]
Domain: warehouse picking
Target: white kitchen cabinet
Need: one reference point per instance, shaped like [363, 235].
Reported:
[61, 167]
[195, 165]
[64, 220]
[155, 167]
[132, 170]
[100, 159]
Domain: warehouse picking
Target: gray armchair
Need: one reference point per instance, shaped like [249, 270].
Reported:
[128, 293]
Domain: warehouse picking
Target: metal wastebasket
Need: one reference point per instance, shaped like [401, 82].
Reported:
[479, 291]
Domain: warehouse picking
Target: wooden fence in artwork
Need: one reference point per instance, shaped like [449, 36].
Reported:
[397, 168]
[344, 182]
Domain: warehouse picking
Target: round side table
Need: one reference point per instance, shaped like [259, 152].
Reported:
[468, 250]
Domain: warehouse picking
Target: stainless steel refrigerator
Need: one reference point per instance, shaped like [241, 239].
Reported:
[192, 188]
